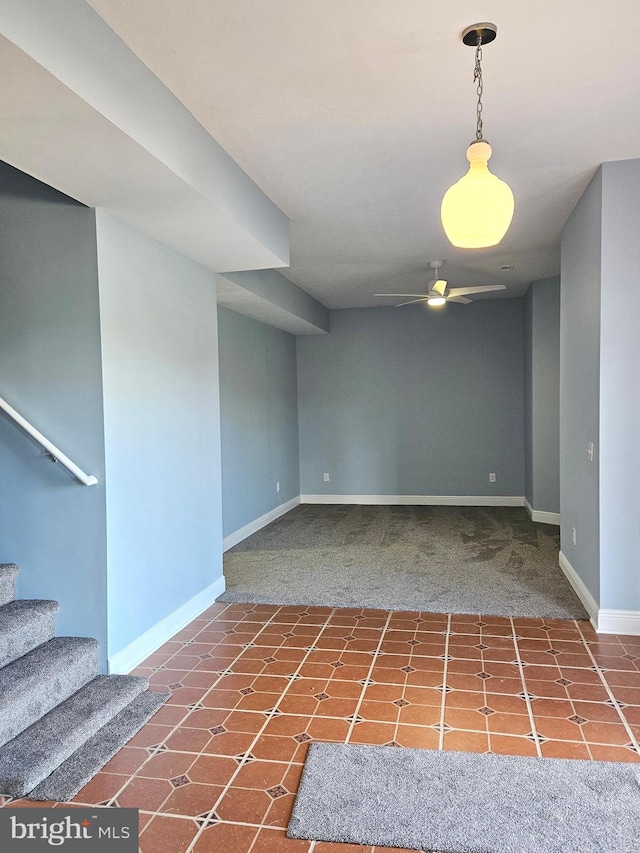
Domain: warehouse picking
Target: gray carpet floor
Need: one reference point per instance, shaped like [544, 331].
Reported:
[489, 560]
[458, 802]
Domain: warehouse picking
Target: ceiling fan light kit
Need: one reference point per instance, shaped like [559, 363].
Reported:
[477, 210]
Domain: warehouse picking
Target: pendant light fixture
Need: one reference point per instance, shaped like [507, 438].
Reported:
[477, 210]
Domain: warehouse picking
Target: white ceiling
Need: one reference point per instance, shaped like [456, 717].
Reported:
[354, 116]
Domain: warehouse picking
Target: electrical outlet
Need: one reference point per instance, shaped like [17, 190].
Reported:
[573, 535]
[277, 487]
[492, 478]
[326, 478]
[590, 451]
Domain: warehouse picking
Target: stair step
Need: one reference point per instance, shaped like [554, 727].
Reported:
[73, 774]
[8, 573]
[36, 682]
[37, 751]
[24, 625]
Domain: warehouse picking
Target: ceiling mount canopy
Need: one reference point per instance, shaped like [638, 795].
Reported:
[477, 210]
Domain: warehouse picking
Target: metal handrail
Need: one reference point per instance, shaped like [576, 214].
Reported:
[55, 454]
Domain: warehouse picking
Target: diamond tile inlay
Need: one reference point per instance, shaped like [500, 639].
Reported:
[563, 681]
[269, 660]
[321, 696]
[486, 711]
[205, 656]
[578, 720]
[401, 703]
[175, 685]
[481, 646]
[408, 669]
[303, 737]
[207, 820]
[349, 638]
[178, 781]
[482, 675]
[277, 791]
[217, 730]
[413, 642]
[553, 652]
[247, 691]
[536, 738]
[336, 664]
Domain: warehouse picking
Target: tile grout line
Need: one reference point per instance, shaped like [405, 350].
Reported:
[258, 734]
[525, 688]
[445, 671]
[484, 687]
[632, 738]
[375, 657]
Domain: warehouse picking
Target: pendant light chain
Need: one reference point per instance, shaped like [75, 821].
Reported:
[477, 76]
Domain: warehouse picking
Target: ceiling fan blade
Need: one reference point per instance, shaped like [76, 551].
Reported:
[461, 299]
[439, 286]
[423, 295]
[462, 291]
[411, 302]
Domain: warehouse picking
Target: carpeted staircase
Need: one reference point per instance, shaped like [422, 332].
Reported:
[60, 722]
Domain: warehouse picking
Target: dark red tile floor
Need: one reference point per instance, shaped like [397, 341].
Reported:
[217, 768]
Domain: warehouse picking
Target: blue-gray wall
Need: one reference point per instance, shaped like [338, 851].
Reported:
[528, 396]
[50, 371]
[542, 395]
[581, 256]
[411, 401]
[620, 388]
[259, 418]
[160, 368]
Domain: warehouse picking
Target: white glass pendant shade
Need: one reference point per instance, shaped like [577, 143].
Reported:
[477, 210]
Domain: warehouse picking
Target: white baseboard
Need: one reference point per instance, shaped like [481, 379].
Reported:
[253, 526]
[539, 515]
[619, 622]
[591, 605]
[133, 654]
[415, 500]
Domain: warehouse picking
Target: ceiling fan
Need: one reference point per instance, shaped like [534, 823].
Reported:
[439, 292]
